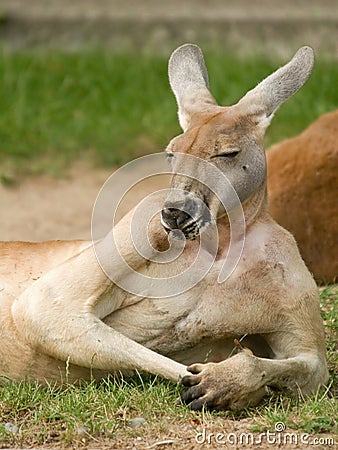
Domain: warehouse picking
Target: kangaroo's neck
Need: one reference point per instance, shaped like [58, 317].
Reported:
[254, 209]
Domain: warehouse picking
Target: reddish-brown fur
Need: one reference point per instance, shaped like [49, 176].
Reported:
[302, 186]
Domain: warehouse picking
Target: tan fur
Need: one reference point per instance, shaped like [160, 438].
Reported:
[63, 319]
[302, 186]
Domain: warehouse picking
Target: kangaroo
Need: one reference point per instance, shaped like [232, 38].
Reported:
[63, 319]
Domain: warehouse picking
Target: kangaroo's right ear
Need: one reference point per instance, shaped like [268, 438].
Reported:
[265, 98]
[188, 78]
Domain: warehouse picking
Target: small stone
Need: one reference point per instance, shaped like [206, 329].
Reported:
[137, 422]
[11, 428]
[82, 431]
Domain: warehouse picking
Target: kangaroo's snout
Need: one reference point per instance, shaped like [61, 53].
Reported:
[175, 218]
[189, 215]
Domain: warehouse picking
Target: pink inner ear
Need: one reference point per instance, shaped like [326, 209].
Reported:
[274, 90]
[188, 78]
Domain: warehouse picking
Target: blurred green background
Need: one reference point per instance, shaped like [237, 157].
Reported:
[89, 80]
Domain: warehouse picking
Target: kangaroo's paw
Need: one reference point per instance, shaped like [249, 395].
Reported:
[235, 383]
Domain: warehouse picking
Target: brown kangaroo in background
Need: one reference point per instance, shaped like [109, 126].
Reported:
[302, 187]
[63, 319]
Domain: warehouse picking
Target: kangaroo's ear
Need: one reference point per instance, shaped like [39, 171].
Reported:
[265, 98]
[188, 78]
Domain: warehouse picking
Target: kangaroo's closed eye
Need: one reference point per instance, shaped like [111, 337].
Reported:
[231, 154]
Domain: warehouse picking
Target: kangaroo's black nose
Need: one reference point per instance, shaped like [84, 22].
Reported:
[174, 218]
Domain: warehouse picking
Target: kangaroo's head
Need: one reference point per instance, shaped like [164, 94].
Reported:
[231, 138]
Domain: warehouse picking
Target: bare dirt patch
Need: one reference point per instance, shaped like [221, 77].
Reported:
[222, 433]
[42, 207]
[39, 208]
[194, 434]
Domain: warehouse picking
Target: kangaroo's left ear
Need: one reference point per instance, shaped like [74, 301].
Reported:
[188, 78]
[265, 98]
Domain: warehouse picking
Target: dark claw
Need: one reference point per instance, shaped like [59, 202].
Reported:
[208, 404]
[198, 404]
[192, 394]
[189, 380]
[194, 369]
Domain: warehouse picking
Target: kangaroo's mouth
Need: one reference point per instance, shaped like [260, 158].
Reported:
[192, 228]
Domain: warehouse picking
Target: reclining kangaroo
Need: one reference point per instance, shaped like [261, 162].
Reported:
[63, 319]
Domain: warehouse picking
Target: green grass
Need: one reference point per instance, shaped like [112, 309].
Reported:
[58, 107]
[101, 413]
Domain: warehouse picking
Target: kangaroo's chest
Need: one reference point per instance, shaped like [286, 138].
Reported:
[227, 300]
[207, 312]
